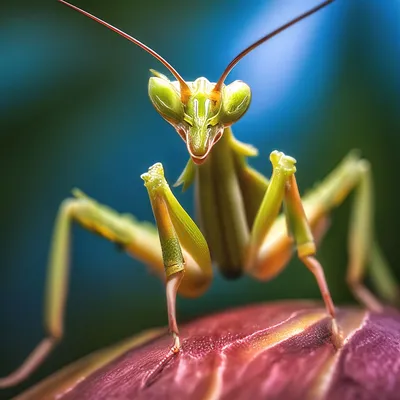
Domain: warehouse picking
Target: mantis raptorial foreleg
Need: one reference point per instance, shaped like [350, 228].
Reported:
[177, 232]
[275, 248]
[138, 239]
[299, 227]
[283, 188]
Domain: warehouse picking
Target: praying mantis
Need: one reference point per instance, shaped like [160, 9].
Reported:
[242, 229]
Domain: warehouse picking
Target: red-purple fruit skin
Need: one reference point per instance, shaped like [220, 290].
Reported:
[275, 351]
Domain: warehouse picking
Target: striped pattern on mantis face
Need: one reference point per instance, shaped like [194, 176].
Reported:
[242, 229]
[202, 118]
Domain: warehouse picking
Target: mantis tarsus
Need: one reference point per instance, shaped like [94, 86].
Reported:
[239, 208]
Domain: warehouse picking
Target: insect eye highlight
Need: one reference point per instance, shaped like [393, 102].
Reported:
[236, 99]
[166, 99]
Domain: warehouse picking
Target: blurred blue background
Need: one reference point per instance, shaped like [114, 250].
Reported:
[74, 112]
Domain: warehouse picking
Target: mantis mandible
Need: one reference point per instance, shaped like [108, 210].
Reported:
[242, 227]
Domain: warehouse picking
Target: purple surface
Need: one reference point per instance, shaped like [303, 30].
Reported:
[274, 351]
[369, 367]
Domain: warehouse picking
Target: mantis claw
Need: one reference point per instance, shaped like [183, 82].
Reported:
[283, 162]
[176, 344]
[337, 335]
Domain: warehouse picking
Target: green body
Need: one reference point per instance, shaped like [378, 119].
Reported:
[225, 214]
[250, 224]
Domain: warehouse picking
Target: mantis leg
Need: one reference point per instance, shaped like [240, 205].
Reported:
[177, 232]
[300, 229]
[355, 174]
[275, 245]
[283, 188]
[137, 238]
[94, 217]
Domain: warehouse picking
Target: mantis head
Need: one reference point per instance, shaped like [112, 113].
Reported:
[202, 115]
[200, 111]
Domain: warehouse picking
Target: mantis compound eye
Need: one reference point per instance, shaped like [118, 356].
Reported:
[166, 99]
[236, 99]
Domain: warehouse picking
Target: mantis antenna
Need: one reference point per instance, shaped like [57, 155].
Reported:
[232, 64]
[185, 90]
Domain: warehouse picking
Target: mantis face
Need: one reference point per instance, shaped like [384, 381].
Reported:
[201, 117]
[199, 110]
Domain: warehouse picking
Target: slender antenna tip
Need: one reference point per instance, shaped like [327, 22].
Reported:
[256, 44]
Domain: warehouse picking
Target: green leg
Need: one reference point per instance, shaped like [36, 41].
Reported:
[283, 169]
[94, 217]
[138, 239]
[178, 235]
[361, 241]
[300, 229]
[283, 188]
[355, 173]
[382, 277]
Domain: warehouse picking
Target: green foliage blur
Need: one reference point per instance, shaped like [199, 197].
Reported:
[74, 112]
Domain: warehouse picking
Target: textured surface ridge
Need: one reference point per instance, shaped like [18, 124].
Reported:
[274, 351]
